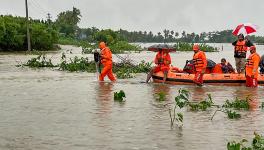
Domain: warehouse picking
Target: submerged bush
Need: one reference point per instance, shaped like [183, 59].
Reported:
[256, 144]
[128, 70]
[237, 104]
[122, 70]
[77, 64]
[182, 46]
[122, 46]
[38, 62]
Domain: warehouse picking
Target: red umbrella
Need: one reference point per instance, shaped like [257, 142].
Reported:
[163, 47]
[245, 28]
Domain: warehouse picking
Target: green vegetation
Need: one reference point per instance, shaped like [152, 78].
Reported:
[40, 61]
[233, 115]
[224, 36]
[77, 64]
[180, 101]
[13, 34]
[203, 105]
[237, 104]
[122, 70]
[128, 70]
[67, 22]
[65, 30]
[119, 96]
[121, 46]
[182, 46]
[235, 145]
[161, 96]
[256, 144]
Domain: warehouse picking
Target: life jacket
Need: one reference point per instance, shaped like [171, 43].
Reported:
[106, 56]
[162, 59]
[252, 64]
[199, 61]
[240, 49]
[217, 68]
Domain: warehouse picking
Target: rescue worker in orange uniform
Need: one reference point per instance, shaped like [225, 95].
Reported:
[252, 68]
[163, 61]
[240, 52]
[223, 67]
[106, 60]
[200, 63]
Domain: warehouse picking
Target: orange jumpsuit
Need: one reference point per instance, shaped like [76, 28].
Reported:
[163, 61]
[200, 63]
[106, 60]
[252, 70]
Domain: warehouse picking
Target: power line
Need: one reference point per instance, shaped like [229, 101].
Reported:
[39, 6]
[37, 9]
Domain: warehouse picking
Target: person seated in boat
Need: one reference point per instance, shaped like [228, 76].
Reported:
[162, 61]
[200, 64]
[223, 67]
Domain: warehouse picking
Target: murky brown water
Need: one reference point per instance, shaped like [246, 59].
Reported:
[49, 109]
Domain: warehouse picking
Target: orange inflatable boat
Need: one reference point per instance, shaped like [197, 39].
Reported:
[213, 78]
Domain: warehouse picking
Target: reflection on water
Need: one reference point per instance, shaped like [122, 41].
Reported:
[198, 93]
[161, 88]
[251, 94]
[48, 109]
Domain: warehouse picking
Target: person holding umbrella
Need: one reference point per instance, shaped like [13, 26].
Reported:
[240, 51]
[242, 44]
[162, 61]
[200, 64]
[252, 68]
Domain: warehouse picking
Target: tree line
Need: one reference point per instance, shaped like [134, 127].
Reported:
[166, 36]
[46, 33]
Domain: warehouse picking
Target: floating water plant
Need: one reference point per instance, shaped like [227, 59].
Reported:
[119, 96]
[161, 96]
[180, 101]
[237, 104]
[82, 64]
[233, 115]
[203, 105]
[38, 62]
[256, 144]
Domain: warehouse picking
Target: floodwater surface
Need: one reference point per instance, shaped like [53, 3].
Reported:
[49, 109]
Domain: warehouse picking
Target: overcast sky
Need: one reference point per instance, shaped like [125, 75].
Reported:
[150, 15]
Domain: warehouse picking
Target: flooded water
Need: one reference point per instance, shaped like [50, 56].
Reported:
[49, 109]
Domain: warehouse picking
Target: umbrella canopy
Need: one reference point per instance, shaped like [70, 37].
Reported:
[245, 28]
[163, 47]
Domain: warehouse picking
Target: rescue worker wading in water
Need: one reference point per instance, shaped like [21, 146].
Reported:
[240, 52]
[252, 68]
[106, 60]
[200, 63]
[163, 61]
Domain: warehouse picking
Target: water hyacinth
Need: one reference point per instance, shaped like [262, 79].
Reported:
[82, 64]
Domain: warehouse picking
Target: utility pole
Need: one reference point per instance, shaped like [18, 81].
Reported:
[28, 34]
[49, 19]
